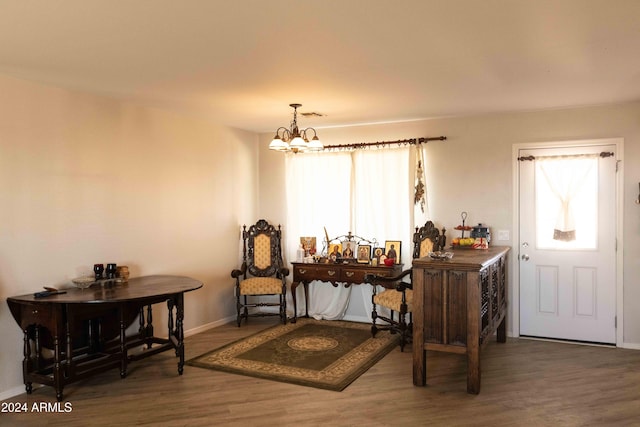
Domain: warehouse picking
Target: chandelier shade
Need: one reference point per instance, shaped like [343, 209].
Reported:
[293, 139]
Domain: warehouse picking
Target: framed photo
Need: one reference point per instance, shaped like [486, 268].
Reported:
[392, 250]
[377, 253]
[335, 252]
[347, 249]
[364, 254]
[309, 245]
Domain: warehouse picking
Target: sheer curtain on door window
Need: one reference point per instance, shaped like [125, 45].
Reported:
[566, 201]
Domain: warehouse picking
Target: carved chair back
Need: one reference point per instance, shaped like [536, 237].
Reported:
[427, 239]
[262, 249]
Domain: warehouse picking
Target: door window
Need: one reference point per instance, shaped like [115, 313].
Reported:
[566, 192]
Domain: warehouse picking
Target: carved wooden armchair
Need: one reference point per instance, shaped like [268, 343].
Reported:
[397, 293]
[262, 272]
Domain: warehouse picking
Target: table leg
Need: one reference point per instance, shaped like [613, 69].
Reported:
[170, 324]
[179, 331]
[25, 362]
[123, 346]
[294, 285]
[305, 285]
[148, 331]
[57, 369]
[306, 299]
[38, 348]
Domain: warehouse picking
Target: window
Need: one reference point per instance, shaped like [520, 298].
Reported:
[566, 191]
[367, 192]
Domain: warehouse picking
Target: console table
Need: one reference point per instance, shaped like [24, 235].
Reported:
[86, 328]
[457, 305]
[351, 274]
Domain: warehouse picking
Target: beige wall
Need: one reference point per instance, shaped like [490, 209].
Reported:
[472, 171]
[85, 179]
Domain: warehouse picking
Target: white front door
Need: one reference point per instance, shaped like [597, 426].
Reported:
[567, 253]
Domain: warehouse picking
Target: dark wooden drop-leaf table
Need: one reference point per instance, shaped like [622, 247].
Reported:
[71, 336]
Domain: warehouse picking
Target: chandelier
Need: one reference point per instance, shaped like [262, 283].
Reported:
[294, 139]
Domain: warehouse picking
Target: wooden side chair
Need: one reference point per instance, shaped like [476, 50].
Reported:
[262, 272]
[397, 292]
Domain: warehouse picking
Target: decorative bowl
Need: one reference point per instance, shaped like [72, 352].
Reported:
[84, 281]
[440, 255]
[389, 262]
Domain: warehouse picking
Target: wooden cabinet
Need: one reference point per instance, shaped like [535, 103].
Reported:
[458, 304]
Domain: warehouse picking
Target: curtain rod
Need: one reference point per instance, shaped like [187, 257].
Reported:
[362, 145]
[602, 154]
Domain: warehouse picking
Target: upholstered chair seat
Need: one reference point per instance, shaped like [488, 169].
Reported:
[261, 286]
[392, 299]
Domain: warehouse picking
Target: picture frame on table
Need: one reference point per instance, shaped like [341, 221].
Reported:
[335, 252]
[378, 252]
[392, 249]
[348, 248]
[308, 244]
[364, 254]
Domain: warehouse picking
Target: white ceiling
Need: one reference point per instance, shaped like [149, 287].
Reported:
[242, 62]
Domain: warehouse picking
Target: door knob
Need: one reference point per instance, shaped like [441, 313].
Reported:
[525, 257]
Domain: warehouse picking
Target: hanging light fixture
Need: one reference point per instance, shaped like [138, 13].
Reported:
[293, 139]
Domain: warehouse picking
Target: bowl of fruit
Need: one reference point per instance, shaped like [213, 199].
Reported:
[463, 242]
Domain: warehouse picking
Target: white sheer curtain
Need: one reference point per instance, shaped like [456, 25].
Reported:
[318, 189]
[383, 197]
[383, 203]
[571, 186]
[367, 192]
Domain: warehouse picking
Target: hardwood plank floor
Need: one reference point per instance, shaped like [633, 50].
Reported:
[524, 382]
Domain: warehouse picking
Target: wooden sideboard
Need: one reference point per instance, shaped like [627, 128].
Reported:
[86, 329]
[457, 305]
[350, 273]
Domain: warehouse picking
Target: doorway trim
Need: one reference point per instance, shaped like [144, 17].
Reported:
[515, 265]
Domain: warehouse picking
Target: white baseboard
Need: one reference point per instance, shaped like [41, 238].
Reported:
[208, 326]
[16, 391]
[631, 346]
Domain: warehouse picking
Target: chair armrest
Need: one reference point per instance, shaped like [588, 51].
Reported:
[402, 286]
[239, 272]
[390, 282]
[283, 271]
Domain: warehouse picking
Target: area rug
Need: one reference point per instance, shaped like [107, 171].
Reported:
[315, 353]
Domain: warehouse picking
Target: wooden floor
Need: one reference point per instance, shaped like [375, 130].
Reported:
[524, 383]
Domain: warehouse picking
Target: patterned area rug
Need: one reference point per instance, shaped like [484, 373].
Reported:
[314, 353]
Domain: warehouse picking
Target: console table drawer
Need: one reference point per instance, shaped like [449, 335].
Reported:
[308, 273]
[356, 275]
[350, 275]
